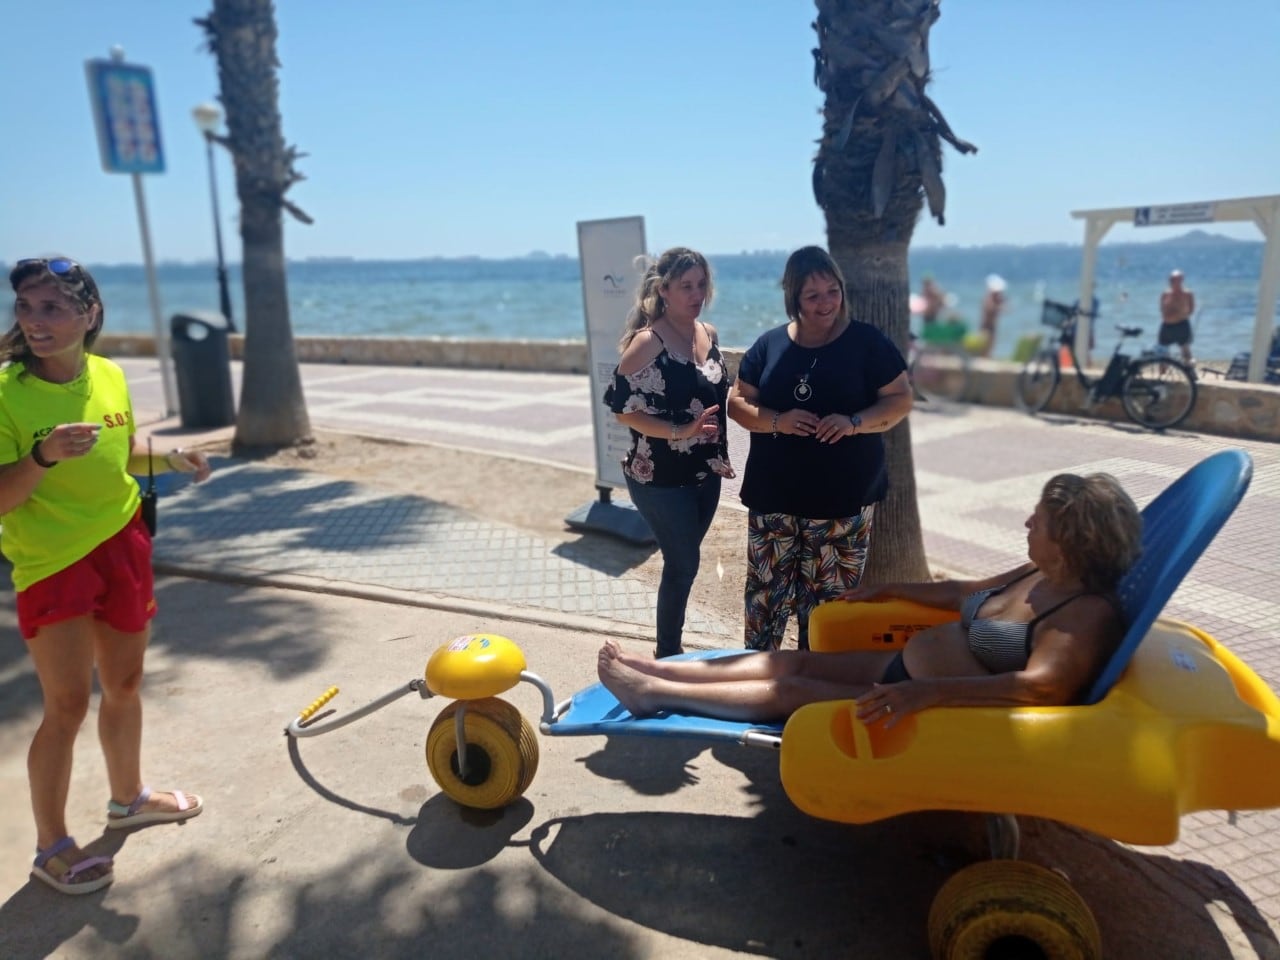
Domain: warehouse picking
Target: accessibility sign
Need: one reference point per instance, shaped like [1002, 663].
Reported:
[124, 111]
[1173, 214]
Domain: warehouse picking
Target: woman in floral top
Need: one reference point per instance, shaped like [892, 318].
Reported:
[669, 389]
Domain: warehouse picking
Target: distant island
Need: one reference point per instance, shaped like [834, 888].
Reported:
[1199, 238]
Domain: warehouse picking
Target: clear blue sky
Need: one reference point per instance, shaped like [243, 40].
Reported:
[490, 128]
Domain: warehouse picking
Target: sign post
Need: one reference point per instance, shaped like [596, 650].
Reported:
[124, 112]
[608, 251]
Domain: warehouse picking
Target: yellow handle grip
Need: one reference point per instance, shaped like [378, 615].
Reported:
[315, 705]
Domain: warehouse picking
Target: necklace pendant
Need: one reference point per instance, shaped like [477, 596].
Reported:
[803, 391]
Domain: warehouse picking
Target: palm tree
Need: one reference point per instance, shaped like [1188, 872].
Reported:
[241, 35]
[878, 161]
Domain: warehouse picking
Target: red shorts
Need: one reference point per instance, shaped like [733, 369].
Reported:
[114, 583]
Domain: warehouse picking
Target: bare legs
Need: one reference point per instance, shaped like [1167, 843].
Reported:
[63, 658]
[751, 686]
[64, 655]
[119, 657]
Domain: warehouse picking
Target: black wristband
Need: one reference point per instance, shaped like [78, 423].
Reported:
[40, 460]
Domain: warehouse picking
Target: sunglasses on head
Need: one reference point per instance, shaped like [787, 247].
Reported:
[58, 266]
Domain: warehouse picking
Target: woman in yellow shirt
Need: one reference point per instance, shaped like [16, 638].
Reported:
[81, 555]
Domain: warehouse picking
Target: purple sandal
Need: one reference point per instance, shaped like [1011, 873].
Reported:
[66, 881]
[120, 816]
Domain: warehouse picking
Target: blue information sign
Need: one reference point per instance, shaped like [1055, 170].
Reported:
[124, 110]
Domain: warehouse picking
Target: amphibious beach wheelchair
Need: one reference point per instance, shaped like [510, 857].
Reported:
[1168, 728]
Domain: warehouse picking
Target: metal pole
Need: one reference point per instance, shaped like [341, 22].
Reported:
[153, 289]
[224, 294]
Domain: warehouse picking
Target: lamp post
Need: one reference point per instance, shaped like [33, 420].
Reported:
[208, 118]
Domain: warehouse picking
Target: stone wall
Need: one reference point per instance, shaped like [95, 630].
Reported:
[1225, 408]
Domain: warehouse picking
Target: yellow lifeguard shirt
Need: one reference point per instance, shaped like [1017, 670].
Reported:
[81, 502]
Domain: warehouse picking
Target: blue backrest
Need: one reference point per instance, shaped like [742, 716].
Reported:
[1177, 526]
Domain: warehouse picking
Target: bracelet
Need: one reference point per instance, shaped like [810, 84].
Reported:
[855, 421]
[674, 438]
[38, 457]
[774, 428]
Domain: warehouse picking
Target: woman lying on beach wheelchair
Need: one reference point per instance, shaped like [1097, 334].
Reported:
[1038, 635]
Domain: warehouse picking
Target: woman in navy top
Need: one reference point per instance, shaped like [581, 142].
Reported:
[669, 389]
[817, 394]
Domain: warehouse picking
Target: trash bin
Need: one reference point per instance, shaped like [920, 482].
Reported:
[202, 362]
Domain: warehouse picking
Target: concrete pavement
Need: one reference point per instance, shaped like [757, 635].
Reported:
[394, 868]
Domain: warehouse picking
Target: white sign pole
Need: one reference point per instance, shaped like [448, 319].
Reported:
[608, 254]
[153, 291]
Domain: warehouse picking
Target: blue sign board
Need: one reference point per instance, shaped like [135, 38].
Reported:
[124, 110]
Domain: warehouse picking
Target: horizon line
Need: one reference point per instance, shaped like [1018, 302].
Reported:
[1196, 237]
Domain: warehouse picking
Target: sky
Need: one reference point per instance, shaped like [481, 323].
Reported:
[489, 128]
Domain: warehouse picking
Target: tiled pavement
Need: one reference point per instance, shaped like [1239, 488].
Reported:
[978, 470]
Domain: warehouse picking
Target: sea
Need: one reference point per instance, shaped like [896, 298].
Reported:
[540, 297]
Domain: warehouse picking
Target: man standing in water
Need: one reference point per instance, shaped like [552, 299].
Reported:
[1177, 306]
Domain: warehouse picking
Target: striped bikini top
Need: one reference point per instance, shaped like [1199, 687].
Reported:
[1002, 646]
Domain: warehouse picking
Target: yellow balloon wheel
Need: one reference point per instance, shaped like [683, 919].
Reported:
[1008, 908]
[502, 754]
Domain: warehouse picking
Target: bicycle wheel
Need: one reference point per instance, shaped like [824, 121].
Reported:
[1037, 381]
[941, 373]
[1158, 393]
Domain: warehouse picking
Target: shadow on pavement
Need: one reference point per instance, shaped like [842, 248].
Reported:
[345, 916]
[605, 554]
[279, 635]
[783, 884]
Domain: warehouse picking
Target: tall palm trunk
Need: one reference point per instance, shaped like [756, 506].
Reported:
[242, 36]
[878, 160]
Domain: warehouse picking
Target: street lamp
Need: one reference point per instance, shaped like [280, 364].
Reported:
[208, 118]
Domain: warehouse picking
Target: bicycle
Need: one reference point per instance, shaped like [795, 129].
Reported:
[938, 363]
[1157, 391]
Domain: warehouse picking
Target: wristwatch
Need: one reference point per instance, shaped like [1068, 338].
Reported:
[855, 421]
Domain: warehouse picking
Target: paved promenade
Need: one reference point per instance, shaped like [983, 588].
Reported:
[978, 470]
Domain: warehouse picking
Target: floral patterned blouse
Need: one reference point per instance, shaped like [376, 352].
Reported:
[677, 390]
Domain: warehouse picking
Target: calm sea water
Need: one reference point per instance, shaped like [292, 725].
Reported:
[541, 299]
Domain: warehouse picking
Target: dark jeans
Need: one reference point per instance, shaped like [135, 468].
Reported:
[679, 518]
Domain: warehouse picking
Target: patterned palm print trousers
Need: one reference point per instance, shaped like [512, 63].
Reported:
[796, 562]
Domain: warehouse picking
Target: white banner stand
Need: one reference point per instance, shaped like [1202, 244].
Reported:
[608, 252]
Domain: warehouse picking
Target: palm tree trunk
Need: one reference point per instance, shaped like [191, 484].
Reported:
[242, 36]
[876, 275]
[878, 161]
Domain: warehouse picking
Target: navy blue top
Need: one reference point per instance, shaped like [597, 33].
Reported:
[798, 475]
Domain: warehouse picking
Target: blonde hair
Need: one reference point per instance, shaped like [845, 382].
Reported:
[1096, 525]
[667, 268]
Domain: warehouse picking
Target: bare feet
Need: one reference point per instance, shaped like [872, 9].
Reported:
[646, 665]
[629, 685]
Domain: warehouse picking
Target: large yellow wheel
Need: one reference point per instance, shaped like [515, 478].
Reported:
[1008, 908]
[502, 754]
